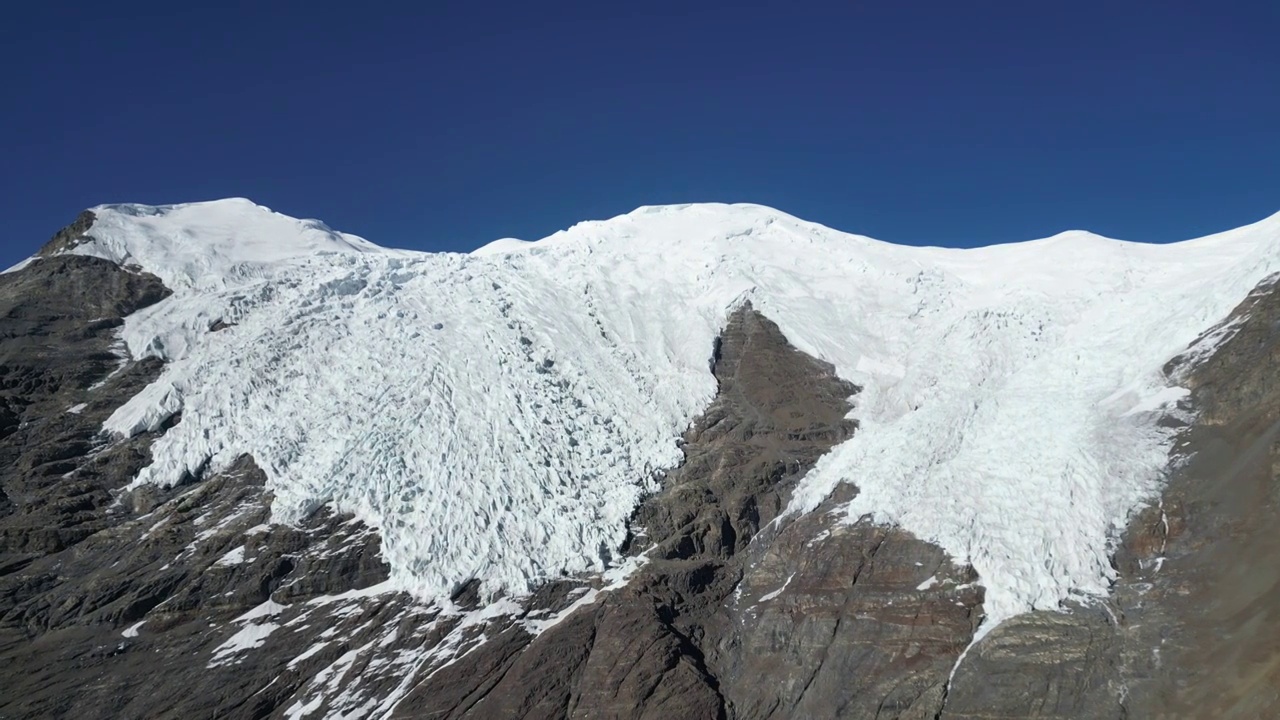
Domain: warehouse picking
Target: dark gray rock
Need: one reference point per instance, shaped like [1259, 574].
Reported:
[58, 319]
[71, 236]
[1044, 665]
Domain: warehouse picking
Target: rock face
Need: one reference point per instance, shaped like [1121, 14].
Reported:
[61, 374]
[189, 602]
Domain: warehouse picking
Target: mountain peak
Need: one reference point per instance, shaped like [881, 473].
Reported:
[203, 244]
[229, 204]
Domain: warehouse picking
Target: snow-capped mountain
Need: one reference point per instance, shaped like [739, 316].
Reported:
[497, 415]
[504, 419]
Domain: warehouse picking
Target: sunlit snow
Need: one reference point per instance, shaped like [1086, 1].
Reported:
[498, 415]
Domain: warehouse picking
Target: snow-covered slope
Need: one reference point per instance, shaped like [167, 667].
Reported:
[212, 245]
[498, 415]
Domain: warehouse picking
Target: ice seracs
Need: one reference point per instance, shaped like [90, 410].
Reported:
[498, 415]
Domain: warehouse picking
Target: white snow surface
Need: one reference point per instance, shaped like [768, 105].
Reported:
[212, 245]
[498, 415]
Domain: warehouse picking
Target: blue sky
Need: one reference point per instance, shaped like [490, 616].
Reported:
[423, 126]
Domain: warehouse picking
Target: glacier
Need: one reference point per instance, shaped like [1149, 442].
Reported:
[498, 415]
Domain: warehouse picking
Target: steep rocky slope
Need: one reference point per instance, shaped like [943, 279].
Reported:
[188, 601]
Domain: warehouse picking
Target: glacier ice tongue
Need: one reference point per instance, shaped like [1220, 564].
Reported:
[498, 415]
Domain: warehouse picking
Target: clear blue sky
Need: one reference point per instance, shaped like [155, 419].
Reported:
[925, 122]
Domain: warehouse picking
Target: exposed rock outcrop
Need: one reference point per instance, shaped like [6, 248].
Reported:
[62, 371]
